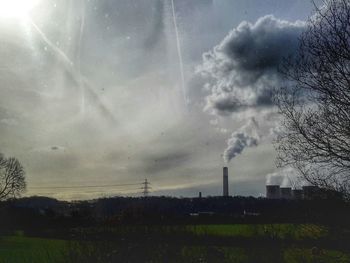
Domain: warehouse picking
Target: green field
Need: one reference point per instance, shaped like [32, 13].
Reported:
[280, 231]
[276, 231]
[21, 249]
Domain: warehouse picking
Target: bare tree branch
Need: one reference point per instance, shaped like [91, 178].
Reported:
[12, 177]
[315, 104]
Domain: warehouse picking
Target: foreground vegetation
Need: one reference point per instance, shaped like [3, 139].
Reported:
[161, 229]
[202, 243]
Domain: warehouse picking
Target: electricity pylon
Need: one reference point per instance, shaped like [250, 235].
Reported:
[146, 188]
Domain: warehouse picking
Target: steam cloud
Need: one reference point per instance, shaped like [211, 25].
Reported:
[286, 177]
[242, 70]
[246, 137]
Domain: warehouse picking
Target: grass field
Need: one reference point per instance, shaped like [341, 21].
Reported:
[21, 249]
[279, 231]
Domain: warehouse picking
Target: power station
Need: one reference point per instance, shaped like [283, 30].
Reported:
[273, 192]
[225, 181]
[284, 192]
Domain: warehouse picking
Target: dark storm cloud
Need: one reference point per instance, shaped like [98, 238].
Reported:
[242, 69]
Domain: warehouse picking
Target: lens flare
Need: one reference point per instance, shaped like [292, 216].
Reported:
[16, 8]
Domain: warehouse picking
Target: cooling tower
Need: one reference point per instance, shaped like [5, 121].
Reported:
[297, 194]
[273, 191]
[225, 181]
[310, 191]
[286, 192]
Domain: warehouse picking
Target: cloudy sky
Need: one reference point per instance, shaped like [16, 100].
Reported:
[108, 92]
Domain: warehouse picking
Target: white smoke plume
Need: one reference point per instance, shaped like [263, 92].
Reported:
[274, 179]
[241, 72]
[247, 136]
[287, 177]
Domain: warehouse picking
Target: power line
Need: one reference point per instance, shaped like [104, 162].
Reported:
[82, 189]
[80, 186]
[92, 192]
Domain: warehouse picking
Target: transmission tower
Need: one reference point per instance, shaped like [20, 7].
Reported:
[146, 188]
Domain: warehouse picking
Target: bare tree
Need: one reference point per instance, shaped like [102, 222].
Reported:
[12, 178]
[315, 103]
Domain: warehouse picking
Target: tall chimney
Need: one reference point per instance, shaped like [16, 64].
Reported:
[225, 181]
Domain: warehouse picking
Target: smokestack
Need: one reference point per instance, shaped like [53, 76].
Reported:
[225, 181]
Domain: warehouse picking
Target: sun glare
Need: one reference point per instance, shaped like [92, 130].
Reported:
[16, 8]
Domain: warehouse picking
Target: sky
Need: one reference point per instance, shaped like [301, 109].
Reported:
[110, 92]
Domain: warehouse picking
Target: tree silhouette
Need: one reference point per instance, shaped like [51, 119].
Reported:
[12, 178]
[315, 103]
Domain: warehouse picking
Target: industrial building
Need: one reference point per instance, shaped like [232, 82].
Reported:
[297, 194]
[286, 193]
[310, 191]
[278, 192]
[273, 192]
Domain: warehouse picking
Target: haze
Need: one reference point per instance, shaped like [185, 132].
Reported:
[112, 92]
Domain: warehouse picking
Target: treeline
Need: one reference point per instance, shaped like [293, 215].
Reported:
[45, 213]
